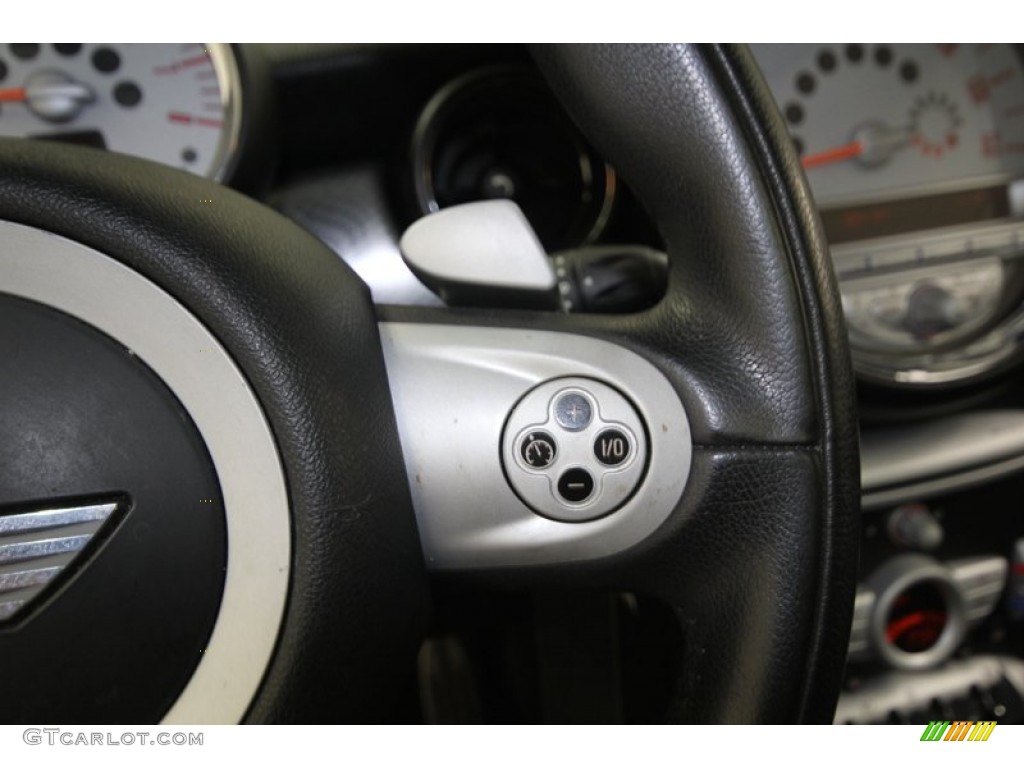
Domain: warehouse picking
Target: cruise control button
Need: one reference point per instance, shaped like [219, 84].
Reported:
[573, 411]
[611, 447]
[538, 450]
[575, 485]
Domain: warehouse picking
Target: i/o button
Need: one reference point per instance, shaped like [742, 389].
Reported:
[611, 447]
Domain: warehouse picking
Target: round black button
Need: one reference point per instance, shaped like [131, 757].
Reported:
[575, 485]
[611, 447]
[538, 449]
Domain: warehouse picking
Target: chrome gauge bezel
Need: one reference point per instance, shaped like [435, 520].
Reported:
[229, 80]
[987, 355]
[431, 120]
[960, 361]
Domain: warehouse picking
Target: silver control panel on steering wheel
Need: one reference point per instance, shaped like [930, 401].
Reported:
[528, 447]
[574, 449]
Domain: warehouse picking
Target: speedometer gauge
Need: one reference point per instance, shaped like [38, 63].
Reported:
[176, 103]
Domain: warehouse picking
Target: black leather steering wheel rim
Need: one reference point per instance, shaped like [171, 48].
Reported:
[758, 560]
[752, 304]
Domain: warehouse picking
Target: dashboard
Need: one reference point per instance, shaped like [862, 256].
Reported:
[914, 155]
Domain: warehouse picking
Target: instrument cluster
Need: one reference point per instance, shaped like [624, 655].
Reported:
[915, 156]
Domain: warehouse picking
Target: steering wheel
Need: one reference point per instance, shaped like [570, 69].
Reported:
[279, 465]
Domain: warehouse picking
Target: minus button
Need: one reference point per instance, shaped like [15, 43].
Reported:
[575, 485]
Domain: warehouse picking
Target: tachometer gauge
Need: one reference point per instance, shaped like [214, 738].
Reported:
[873, 120]
[174, 103]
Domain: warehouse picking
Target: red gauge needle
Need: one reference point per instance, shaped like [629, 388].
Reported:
[835, 155]
[52, 96]
[13, 94]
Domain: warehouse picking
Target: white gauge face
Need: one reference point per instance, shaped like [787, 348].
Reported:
[174, 103]
[939, 116]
